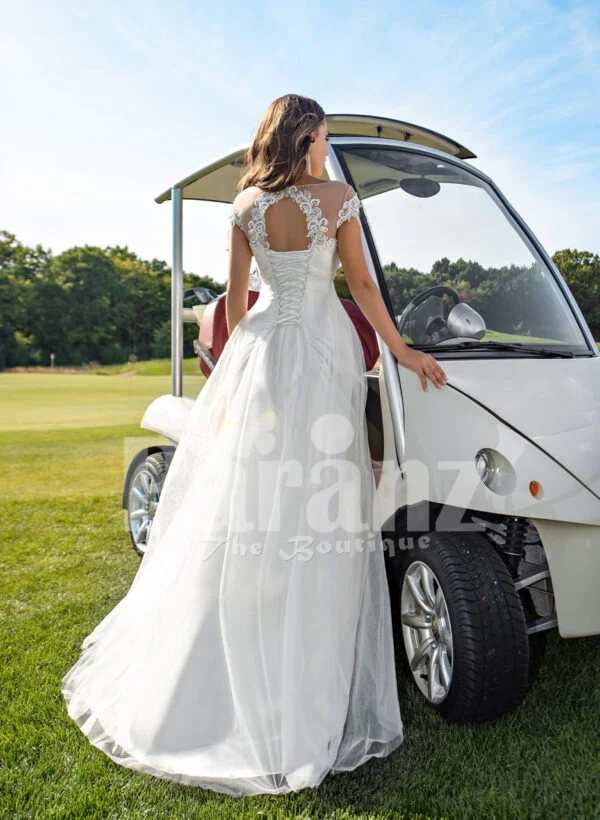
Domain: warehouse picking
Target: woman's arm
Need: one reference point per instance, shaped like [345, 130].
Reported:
[238, 277]
[368, 298]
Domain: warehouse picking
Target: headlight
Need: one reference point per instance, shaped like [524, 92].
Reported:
[484, 464]
[496, 471]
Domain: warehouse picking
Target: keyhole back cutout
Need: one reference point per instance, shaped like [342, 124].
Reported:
[286, 226]
[291, 220]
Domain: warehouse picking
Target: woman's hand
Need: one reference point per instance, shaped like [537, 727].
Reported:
[424, 364]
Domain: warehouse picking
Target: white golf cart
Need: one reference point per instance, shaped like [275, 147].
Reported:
[489, 488]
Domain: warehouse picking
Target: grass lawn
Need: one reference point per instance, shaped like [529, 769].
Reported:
[66, 561]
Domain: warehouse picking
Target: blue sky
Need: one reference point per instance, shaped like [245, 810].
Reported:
[106, 105]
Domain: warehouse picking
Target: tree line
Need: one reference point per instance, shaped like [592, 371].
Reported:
[107, 304]
[85, 304]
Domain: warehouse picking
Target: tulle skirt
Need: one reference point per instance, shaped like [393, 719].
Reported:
[253, 651]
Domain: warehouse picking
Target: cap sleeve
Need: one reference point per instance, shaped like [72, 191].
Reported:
[350, 206]
[235, 218]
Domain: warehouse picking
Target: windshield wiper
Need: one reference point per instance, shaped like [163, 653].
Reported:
[476, 344]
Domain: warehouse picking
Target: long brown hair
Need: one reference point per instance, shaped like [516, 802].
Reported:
[277, 156]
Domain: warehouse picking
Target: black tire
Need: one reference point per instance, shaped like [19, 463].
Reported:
[146, 471]
[490, 657]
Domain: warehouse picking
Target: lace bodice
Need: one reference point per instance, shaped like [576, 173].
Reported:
[292, 279]
[248, 213]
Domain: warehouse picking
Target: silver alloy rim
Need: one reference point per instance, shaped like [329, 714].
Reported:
[143, 500]
[427, 631]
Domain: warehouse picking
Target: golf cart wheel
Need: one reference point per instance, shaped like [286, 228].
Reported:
[145, 483]
[464, 631]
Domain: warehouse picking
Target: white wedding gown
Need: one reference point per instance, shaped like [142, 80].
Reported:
[253, 651]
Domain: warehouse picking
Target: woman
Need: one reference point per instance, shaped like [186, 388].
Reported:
[253, 652]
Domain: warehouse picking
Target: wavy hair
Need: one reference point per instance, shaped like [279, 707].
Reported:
[277, 156]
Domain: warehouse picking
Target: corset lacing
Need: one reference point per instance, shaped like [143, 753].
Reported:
[289, 284]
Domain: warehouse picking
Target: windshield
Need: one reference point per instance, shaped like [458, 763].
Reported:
[436, 224]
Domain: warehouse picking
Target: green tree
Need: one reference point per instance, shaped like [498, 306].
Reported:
[581, 272]
[21, 271]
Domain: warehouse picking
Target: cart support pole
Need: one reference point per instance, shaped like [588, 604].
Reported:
[177, 295]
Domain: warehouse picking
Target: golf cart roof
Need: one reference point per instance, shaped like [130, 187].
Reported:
[216, 182]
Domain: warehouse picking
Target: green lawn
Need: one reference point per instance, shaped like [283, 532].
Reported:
[40, 401]
[65, 563]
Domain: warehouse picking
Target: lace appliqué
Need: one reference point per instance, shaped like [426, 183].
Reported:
[317, 224]
[235, 218]
[350, 208]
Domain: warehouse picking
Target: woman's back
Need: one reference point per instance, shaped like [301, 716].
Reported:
[292, 234]
[299, 217]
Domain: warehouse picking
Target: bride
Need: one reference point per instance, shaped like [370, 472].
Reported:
[253, 651]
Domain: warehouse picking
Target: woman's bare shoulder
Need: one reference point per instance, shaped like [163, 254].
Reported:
[334, 183]
[245, 199]
[339, 188]
[247, 193]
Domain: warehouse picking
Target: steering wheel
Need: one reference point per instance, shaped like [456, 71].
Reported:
[430, 333]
